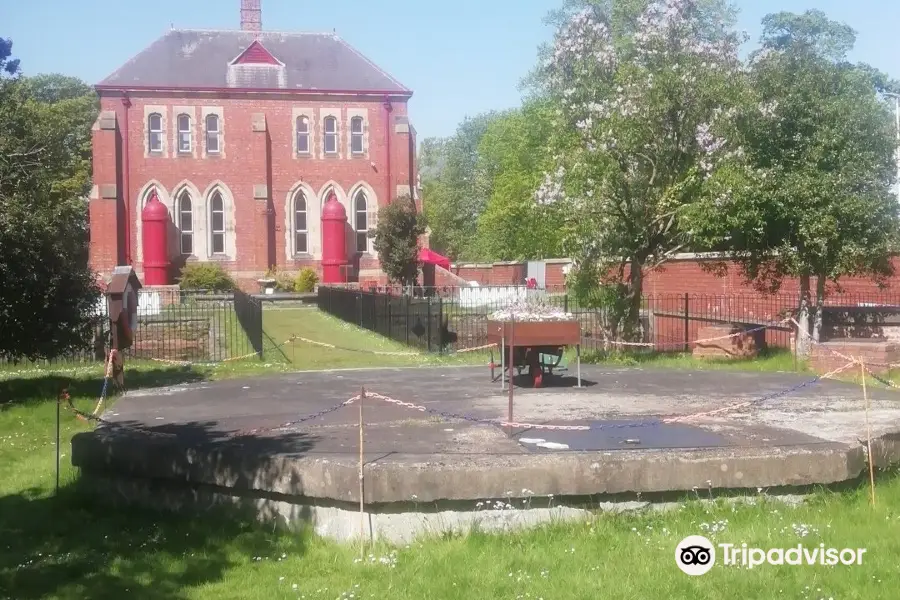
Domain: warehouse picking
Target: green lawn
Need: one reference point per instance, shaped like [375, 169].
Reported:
[355, 347]
[773, 361]
[66, 548]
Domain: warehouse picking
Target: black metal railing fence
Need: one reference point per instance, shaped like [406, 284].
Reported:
[669, 322]
[180, 326]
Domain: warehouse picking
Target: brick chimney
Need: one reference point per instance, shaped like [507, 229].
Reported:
[251, 15]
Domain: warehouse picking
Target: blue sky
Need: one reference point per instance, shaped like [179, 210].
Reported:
[460, 58]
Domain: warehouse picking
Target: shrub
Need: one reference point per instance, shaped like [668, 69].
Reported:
[206, 276]
[306, 280]
[397, 240]
[284, 283]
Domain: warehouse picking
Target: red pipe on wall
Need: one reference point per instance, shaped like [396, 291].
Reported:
[126, 196]
[388, 109]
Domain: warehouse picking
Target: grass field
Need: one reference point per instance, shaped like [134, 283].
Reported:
[62, 547]
[354, 347]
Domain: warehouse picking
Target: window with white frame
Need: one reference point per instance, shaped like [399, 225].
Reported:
[184, 133]
[154, 133]
[356, 135]
[361, 220]
[217, 222]
[330, 135]
[212, 134]
[184, 213]
[301, 231]
[302, 135]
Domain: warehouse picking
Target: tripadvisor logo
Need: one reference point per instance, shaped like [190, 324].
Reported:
[696, 555]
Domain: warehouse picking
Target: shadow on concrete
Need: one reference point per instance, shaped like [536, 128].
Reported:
[189, 465]
[71, 548]
[24, 390]
[552, 381]
[265, 440]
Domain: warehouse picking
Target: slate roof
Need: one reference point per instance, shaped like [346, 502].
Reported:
[200, 59]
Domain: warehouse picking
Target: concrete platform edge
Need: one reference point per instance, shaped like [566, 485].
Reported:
[477, 477]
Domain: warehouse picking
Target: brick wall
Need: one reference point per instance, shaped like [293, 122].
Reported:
[876, 354]
[712, 299]
[681, 275]
[499, 273]
[258, 170]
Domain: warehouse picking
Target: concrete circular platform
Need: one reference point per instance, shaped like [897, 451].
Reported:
[289, 446]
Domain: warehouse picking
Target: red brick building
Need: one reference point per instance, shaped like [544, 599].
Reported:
[243, 135]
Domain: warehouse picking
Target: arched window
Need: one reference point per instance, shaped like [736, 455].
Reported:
[217, 223]
[184, 214]
[302, 135]
[330, 135]
[361, 220]
[356, 135]
[154, 133]
[184, 133]
[301, 231]
[212, 134]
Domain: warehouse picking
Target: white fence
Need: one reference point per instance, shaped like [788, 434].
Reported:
[495, 296]
[150, 303]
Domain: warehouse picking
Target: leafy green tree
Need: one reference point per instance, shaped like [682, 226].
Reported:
[810, 195]
[639, 84]
[512, 156]
[8, 64]
[397, 240]
[47, 291]
[454, 192]
[68, 108]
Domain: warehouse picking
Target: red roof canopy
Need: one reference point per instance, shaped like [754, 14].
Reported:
[430, 257]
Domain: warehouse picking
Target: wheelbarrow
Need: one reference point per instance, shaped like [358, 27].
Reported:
[537, 345]
[540, 361]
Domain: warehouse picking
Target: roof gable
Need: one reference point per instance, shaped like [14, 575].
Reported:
[256, 54]
[211, 60]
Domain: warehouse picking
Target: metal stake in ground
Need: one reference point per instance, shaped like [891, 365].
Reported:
[862, 370]
[362, 507]
[59, 398]
[502, 356]
[512, 351]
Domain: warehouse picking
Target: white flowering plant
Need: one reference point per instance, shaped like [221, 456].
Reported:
[533, 307]
[645, 88]
[531, 312]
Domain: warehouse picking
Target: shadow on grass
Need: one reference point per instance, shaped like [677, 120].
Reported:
[273, 351]
[113, 533]
[67, 547]
[46, 387]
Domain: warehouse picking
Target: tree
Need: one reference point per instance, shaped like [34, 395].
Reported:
[8, 65]
[47, 291]
[68, 108]
[640, 83]
[810, 194]
[454, 191]
[397, 240]
[512, 156]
